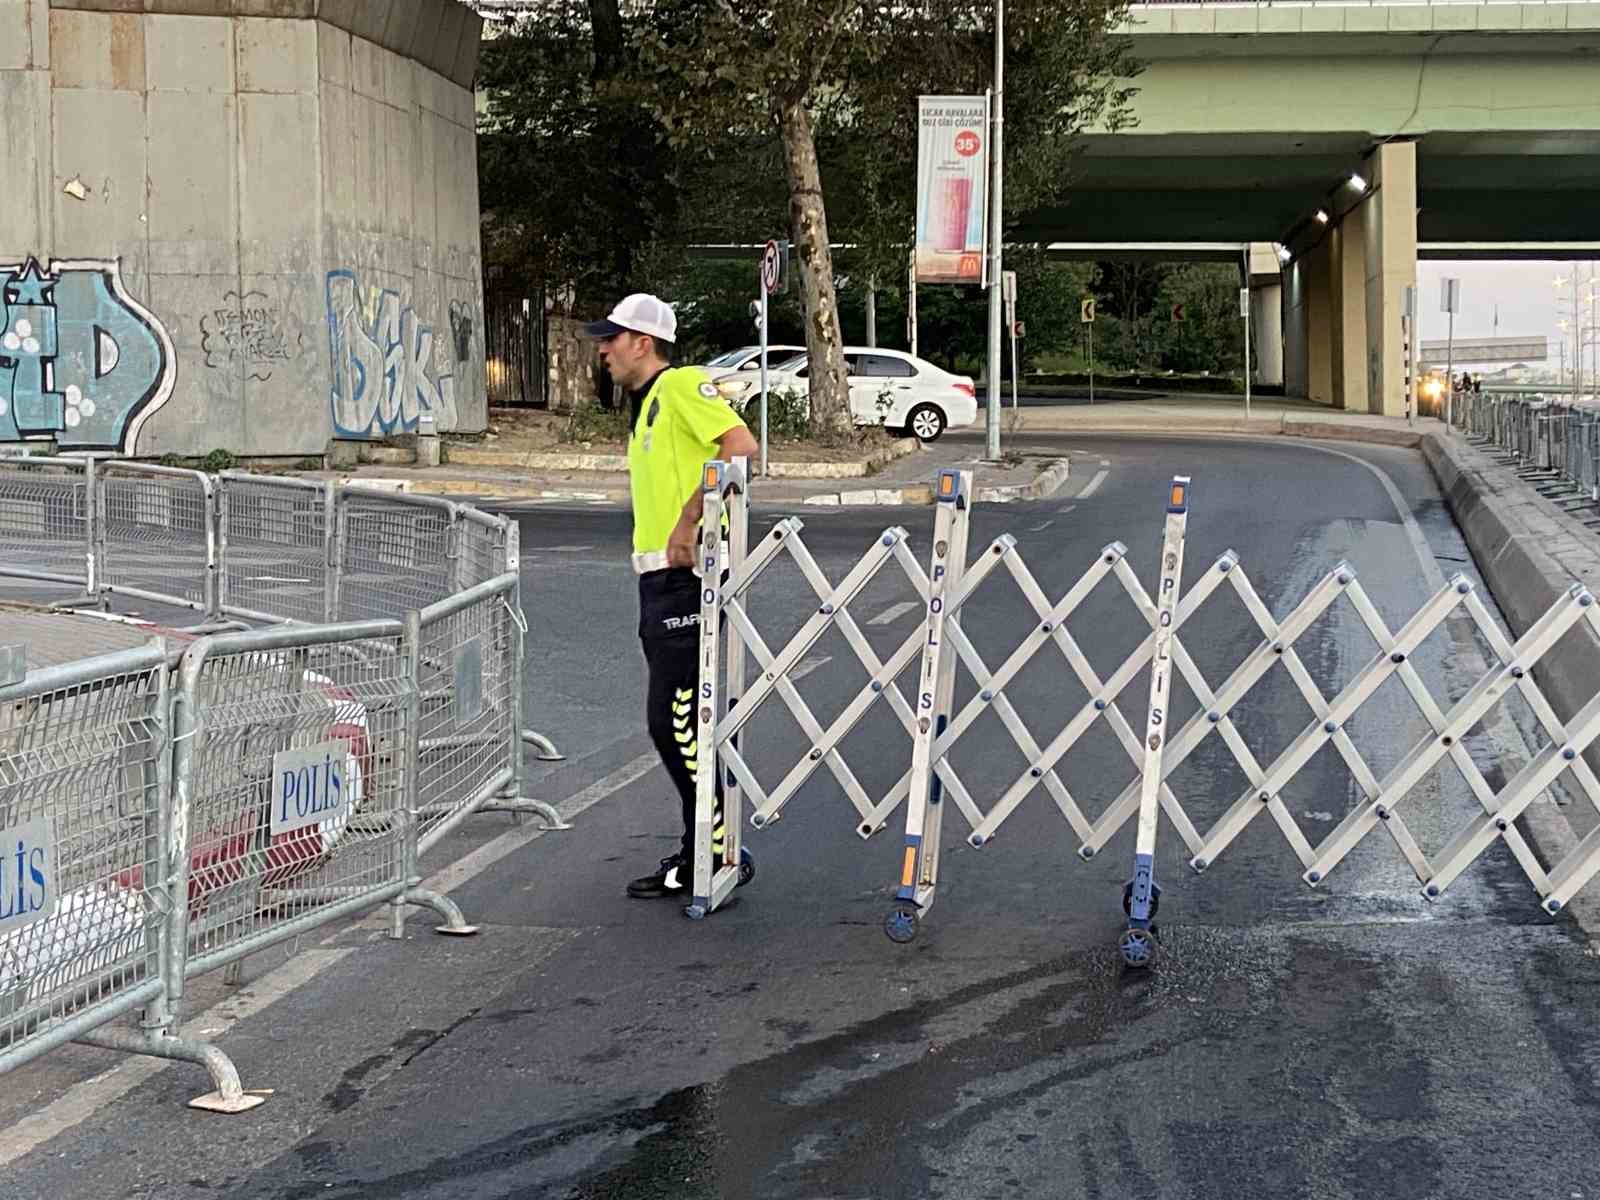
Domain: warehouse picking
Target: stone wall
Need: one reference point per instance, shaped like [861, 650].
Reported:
[239, 224]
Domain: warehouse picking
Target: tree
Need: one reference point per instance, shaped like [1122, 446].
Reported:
[1066, 72]
[574, 188]
[709, 68]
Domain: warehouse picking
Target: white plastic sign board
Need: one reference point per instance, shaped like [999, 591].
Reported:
[1450, 298]
[28, 870]
[310, 785]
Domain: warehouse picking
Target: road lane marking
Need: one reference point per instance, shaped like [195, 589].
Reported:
[1041, 526]
[1094, 485]
[809, 665]
[895, 611]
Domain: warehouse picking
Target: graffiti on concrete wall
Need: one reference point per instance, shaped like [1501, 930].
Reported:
[248, 332]
[461, 330]
[81, 361]
[384, 377]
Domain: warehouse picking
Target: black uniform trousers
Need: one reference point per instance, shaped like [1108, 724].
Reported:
[669, 632]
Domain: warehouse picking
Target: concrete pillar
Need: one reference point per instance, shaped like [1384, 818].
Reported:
[1267, 334]
[1266, 314]
[1295, 367]
[1391, 267]
[1318, 264]
[1348, 299]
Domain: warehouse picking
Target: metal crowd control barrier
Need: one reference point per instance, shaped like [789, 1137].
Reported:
[93, 890]
[952, 589]
[179, 809]
[1554, 445]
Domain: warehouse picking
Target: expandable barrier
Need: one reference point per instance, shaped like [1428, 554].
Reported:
[953, 590]
[181, 808]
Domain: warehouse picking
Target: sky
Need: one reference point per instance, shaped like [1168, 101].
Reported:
[1523, 291]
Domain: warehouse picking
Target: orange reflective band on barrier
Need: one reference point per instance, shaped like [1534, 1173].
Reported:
[712, 474]
[909, 873]
[1177, 495]
[947, 484]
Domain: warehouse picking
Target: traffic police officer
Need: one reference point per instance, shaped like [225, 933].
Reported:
[680, 421]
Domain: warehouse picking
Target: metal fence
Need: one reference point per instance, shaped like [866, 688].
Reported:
[1553, 444]
[185, 805]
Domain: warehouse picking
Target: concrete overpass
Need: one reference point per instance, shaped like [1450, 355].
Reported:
[1472, 351]
[1351, 135]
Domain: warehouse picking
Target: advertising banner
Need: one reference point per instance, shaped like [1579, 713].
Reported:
[952, 191]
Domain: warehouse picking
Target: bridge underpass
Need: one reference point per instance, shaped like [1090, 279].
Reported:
[1412, 130]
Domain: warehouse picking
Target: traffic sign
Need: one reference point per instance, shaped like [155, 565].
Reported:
[1178, 315]
[1019, 329]
[775, 267]
[1008, 286]
[1086, 310]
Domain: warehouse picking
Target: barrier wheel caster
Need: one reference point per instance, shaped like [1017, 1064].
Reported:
[1127, 899]
[695, 912]
[747, 866]
[1138, 947]
[901, 925]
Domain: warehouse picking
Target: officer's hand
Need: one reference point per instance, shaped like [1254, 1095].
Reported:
[681, 547]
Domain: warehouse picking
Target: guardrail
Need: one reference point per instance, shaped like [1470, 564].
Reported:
[1554, 445]
[180, 806]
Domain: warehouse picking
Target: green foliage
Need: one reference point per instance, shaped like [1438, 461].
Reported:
[788, 412]
[218, 460]
[170, 459]
[591, 423]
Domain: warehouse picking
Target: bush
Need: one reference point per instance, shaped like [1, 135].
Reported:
[591, 423]
[218, 460]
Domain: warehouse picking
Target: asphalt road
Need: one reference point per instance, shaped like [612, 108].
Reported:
[1348, 1042]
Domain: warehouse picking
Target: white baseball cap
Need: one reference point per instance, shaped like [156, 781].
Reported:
[638, 313]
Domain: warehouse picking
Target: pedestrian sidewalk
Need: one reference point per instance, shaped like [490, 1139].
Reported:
[905, 473]
[907, 479]
[1203, 413]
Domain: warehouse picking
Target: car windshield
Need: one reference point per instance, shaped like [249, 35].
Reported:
[733, 357]
[785, 360]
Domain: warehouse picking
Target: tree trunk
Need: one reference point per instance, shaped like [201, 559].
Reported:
[830, 389]
[605, 18]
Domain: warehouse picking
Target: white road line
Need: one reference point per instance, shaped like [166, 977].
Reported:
[558, 549]
[1105, 462]
[809, 665]
[1094, 485]
[895, 611]
[84, 1100]
[1041, 526]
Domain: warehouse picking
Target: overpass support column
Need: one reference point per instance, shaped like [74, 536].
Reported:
[1266, 315]
[1347, 250]
[1316, 273]
[1308, 327]
[1391, 267]
[1266, 334]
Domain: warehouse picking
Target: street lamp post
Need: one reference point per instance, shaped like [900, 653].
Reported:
[996, 151]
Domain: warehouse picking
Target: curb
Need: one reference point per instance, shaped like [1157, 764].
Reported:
[533, 460]
[1529, 553]
[1044, 484]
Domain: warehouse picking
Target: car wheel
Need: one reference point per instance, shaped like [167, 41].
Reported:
[926, 422]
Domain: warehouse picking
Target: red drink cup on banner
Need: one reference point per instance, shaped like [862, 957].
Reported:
[950, 233]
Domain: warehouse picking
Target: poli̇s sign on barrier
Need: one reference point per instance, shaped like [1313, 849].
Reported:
[310, 786]
[27, 874]
[952, 191]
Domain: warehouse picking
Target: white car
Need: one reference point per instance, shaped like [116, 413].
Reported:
[748, 358]
[887, 387]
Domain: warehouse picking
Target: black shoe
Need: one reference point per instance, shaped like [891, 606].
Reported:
[673, 879]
